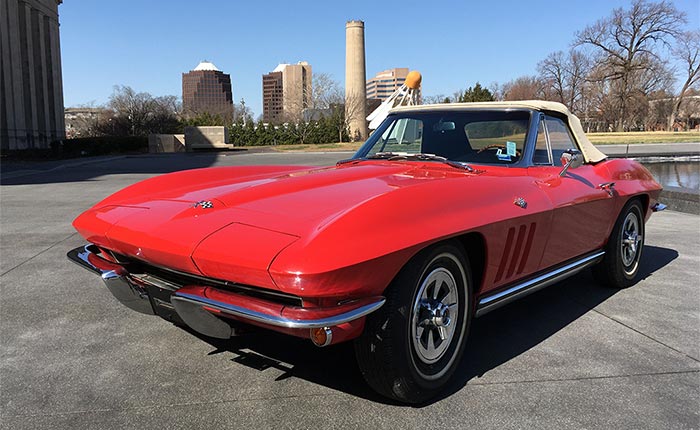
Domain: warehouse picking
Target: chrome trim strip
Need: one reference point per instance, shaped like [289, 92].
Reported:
[148, 279]
[658, 207]
[275, 320]
[489, 303]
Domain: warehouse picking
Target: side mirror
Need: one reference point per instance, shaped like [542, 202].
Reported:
[571, 159]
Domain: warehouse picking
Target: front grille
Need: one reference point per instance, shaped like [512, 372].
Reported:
[172, 280]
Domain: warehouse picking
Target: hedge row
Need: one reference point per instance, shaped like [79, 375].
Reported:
[313, 132]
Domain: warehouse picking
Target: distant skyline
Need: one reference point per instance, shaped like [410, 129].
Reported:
[148, 45]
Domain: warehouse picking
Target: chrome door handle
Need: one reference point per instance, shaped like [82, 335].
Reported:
[607, 187]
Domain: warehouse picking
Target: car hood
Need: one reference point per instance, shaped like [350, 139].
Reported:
[292, 202]
[179, 220]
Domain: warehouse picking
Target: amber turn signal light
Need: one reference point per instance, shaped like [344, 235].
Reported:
[321, 336]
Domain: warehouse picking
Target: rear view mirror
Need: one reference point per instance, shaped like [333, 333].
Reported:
[444, 126]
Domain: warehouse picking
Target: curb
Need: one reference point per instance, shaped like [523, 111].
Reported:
[631, 150]
[681, 199]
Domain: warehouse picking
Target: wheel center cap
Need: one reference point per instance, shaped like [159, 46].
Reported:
[439, 315]
[631, 240]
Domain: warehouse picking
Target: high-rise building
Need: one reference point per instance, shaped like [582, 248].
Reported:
[355, 77]
[272, 97]
[207, 89]
[383, 84]
[286, 92]
[31, 86]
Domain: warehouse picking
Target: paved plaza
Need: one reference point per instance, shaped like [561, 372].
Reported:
[575, 355]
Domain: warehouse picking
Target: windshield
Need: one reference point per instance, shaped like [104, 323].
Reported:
[468, 136]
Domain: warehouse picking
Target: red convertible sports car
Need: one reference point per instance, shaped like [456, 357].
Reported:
[445, 213]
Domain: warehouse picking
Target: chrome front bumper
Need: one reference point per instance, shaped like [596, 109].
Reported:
[206, 309]
[115, 278]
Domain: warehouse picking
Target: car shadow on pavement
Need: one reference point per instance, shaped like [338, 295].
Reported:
[90, 168]
[495, 338]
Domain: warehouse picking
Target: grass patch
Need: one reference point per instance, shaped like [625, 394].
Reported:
[343, 146]
[633, 137]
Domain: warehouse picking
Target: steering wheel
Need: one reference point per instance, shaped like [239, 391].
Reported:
[497, 146]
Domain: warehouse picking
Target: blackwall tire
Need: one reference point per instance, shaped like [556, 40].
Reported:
[620, 266]
[412, 345]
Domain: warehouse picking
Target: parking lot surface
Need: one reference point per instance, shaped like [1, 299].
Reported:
[574, 355]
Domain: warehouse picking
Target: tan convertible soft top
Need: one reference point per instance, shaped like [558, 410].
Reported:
[590, 153]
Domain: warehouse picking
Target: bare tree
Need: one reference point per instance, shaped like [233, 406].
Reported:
[626, 41]
[242, 112]
[355, 114]
[552, 71]
[343, 113]
[688, 51]
[165, 113]
[138, 114]
[326, 91]
[497, 90]
[565, 77]
[299, 112]
[601, 99]
[436, 99]
[131, 109]
[523, 88]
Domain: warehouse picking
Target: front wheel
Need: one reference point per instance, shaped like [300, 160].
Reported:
[412, 345]
[620, 266]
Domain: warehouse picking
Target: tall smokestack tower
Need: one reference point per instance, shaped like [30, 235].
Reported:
[355, 79]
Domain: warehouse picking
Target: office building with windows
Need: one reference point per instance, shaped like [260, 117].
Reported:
[384, 83]
[286, 92]
[207, 89]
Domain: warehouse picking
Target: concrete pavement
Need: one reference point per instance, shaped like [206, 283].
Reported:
[574, 355]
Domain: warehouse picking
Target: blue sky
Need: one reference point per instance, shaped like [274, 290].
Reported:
[148, 44]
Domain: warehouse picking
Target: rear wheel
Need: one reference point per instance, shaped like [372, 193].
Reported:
[412, 345]
[620, 266]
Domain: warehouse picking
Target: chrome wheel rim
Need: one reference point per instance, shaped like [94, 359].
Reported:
[435, 315]
[631, 242]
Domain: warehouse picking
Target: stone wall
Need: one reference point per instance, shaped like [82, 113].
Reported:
[166, 143]
[206, 138]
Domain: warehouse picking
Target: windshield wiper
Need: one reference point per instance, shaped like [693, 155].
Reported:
[432, 157]
[387, 156]
[347, 160]
[406, 156]
[376, 156]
